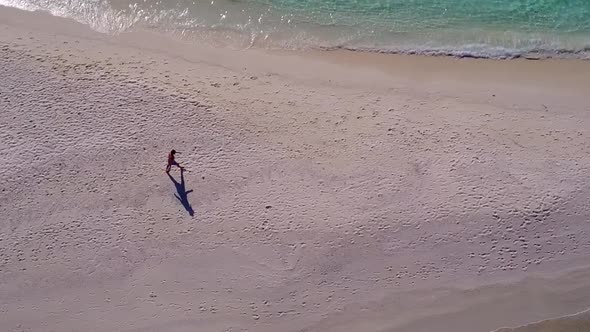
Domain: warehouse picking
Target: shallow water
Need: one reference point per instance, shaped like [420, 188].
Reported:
[477, 28]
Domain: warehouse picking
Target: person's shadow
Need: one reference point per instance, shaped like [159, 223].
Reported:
[182, 193]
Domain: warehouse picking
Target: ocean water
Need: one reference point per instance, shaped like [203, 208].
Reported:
[474, 28]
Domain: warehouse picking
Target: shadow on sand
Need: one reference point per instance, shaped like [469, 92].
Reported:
[181, 193]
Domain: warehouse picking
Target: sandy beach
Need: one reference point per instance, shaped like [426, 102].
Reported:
[324, 191]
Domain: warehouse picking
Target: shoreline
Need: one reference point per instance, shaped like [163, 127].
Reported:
[530, 56]
[583, 317]
[117, 19]
[378, 175]
[485, 79]
[442, 65]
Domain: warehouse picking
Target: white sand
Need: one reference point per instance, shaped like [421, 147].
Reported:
[331, 191]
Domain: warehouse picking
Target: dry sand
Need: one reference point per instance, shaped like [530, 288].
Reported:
[331, 191]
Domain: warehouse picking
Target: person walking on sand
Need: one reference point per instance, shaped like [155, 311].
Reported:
[172, 162]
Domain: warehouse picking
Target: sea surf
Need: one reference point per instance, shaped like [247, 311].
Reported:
[463, 28]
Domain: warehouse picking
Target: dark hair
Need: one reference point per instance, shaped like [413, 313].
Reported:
[173, 151]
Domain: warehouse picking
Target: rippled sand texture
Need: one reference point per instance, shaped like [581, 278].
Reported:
[323, 193]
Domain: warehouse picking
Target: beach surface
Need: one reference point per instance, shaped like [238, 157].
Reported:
[324, 191]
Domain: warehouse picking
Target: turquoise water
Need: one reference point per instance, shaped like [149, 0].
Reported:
[425, 15]
[460, 27]
[477, 28]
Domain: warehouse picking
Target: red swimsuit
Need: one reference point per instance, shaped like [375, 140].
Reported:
[171, 160]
